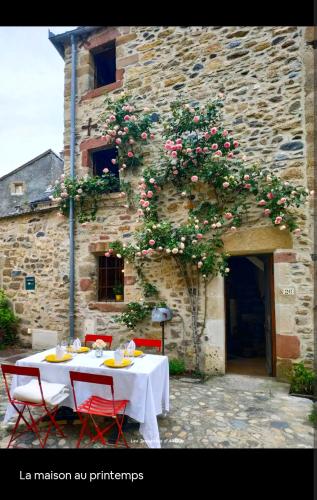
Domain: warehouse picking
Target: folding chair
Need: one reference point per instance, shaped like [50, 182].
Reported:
[93, 338]
[95, 405]
[34, 394]
[149, 343]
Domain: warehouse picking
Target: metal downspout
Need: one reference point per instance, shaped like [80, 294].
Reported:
[72, 201]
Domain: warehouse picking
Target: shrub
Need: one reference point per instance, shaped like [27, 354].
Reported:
[177, 366]
[313, 416]
[8, 321]
[303, 379]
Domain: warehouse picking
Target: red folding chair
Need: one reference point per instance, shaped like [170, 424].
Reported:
[93, 338]
[95, 405]
[31, 425]
[149, 343]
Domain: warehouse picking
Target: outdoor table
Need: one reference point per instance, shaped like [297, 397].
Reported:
[145, 384]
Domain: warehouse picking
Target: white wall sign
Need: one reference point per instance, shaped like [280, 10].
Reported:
[290, 290]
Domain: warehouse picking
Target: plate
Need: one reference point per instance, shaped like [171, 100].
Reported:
[52, 358]
[80, 350]
[135, 353]
[111, 363]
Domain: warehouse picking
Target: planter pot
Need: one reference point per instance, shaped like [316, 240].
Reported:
[307, 396]
[119, 298]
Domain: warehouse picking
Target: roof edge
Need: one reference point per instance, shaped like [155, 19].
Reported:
[59, 40]
[47, 152]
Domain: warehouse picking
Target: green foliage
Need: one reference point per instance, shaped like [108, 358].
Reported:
[176, 366]
[150, 290]
[303, 380]
[8, 321]
[136, 312]
[118, 289]
[313, 416]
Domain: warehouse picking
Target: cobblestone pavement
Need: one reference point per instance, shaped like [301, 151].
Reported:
[232, 411]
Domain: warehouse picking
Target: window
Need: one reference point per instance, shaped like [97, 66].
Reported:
[104, 65]
[17, 188]
[102, 159]
[110, 275]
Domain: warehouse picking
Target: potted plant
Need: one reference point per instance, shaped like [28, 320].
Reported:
[302, 382]
[118, 291]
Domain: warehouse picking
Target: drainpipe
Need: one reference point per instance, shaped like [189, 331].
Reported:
[72, 201]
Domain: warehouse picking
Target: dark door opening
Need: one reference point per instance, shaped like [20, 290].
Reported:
[250, 315]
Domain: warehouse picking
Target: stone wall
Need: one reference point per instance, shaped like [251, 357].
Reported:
[36, 244]
[266, 76]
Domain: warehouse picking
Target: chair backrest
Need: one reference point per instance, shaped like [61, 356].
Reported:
[26, 371]
[92, 338]
[149, 343]
[90, 378]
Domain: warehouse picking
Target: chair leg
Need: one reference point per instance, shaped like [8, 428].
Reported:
[120, 433]
[52, 418]
[82, 431]
[16, 426]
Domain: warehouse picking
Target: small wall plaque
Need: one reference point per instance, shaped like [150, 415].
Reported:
[30, 283]
[288, 290]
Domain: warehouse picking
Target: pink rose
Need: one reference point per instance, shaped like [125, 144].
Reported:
[228, 215]
[225, 133]
[262, 203]
[247, 186]
[105, 170]
[149, 194]
[174, 154]
[218, 153]
[206, 222]
[126, 118]
[198, 150]
[196, 119]
[140, 211]
[205, 149]
[143, 194]
[206, 136]
[107, 254]
[213, 131]
[214, 146]
[130, 154]
[281, 201]
[152, 242]
[267, 212]
[112, 118]
[152, 181]
[188, 150]
[152, 136]
[146, 203]
[225, 184]
[278, 220]
[230, 155]
[235, 144]
[144, 252]
[118, 141]
[143, 135]
[179, 141]
[194, 178]
[270, 196]
[175, 172]
[113, 161]
[226, 145]
[199, 236]
[297, 231]
[246, 177]
[126, 129]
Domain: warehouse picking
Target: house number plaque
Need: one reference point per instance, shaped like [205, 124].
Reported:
[288, 291]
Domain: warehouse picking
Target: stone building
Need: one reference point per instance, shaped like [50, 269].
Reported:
[260, 320]
[28, 185]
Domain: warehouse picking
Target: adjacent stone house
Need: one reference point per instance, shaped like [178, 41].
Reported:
[260, 320]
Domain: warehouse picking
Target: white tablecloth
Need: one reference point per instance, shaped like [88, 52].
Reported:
[145, 384]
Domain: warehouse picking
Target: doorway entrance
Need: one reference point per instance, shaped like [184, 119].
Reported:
[250, 320]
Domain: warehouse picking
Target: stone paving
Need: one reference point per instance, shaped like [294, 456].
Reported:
[231, 411]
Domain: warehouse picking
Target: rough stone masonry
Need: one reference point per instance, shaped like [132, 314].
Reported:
[266, 74]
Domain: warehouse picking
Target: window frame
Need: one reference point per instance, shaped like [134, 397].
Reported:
[111, 45]
[102, 277]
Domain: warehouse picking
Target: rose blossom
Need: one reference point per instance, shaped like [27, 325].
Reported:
[149, 194]
[118, 141]
[247, 186]
[226, 145]
[225, 184]
[143, 135]
[144, 252]
[146, 203]
[175, 172]
[270, 196]
[113, 161]
[228, 215]
[235, 144]
[194, 178]
[174, 154]
[297, 231]
[278, 219]
[230, 155]
[262, 203]
[199, 236]
[213, 131]
[196, 119]
[246, 177]
[152, 181]
[107, 254]
[225, 133]
[206, 222]
[152, 242]
[126, 118]
[267, 212]
[214, 146]
[130, 154]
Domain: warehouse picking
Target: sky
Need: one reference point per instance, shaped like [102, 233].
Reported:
[31, 95]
